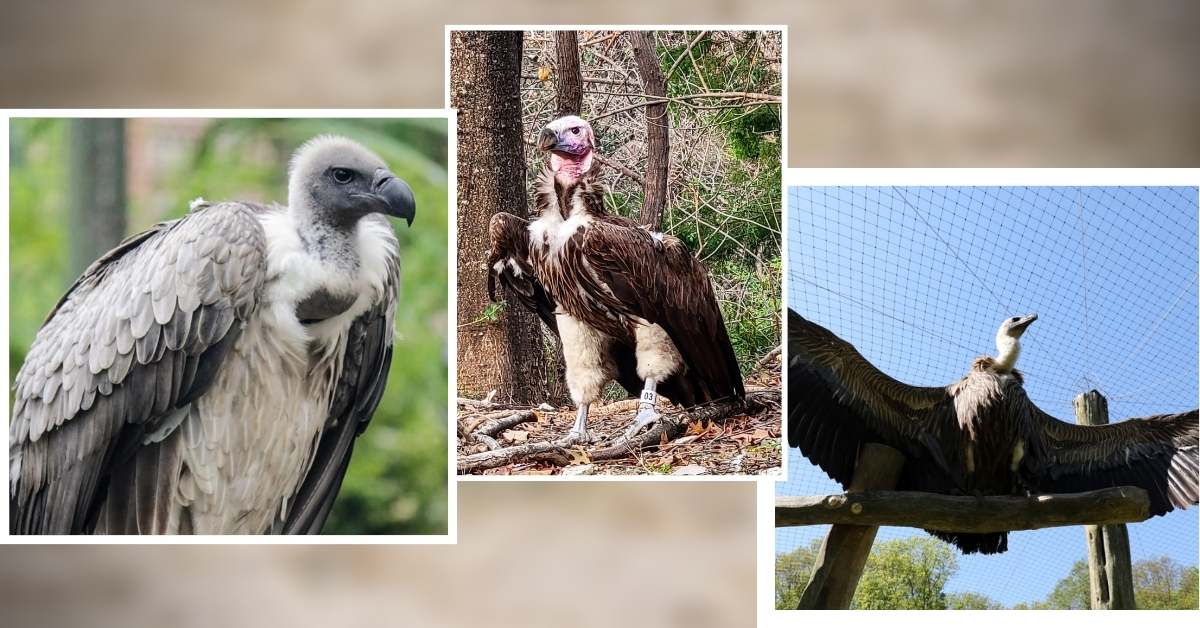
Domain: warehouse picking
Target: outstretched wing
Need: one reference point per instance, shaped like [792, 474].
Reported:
[839, 401]
[365, 367]
[508, 265]
[112, 371]
[1157, 453]
[654, 277]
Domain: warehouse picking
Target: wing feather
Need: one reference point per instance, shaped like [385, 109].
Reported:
[655, 278]
[509, 266]
[114, 359]
[839, 401]
[1157, 453]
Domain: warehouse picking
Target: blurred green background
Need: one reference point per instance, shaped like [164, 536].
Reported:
[397, 478]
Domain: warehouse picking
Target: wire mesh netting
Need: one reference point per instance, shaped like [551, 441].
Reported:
[919, 279]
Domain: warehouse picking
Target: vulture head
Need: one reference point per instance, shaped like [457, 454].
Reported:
[570, 142]
[337, 181]
[1008, 337]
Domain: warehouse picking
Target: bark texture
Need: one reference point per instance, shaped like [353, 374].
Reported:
[657, 124]
[508, 355]
[568, 85]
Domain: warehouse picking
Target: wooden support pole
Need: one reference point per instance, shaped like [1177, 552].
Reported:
[1109, 566]
[844, 552]
[949, 513]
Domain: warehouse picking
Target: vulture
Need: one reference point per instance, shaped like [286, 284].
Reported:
[981, 435]
[628, 303]
[211, 374]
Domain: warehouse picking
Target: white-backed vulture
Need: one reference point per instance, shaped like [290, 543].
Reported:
[628, 303]
[981, 435]
[210, 375]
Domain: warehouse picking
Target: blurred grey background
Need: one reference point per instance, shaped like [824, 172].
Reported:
[926, 83]
[530, 554]
[919, 83]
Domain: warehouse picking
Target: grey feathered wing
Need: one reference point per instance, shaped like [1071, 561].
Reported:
[138, 336]
[365, 367]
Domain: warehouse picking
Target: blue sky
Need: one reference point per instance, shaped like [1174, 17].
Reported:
[918, 279]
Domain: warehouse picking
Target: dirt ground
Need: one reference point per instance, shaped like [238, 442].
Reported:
[742, 443]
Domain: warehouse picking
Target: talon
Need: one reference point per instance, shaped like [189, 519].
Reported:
[577, 437]
[644, 417]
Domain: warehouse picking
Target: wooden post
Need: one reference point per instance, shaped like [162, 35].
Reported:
[844, 552]
[1109, 565]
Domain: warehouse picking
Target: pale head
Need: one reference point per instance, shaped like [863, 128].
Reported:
[1008, 345]
[570, 142]
[335, 181]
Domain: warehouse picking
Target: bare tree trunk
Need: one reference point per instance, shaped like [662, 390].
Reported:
[97, 196]
[657, 124]
[507, 356]
[568, 87]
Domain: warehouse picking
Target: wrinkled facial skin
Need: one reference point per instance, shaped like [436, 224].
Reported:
[570, 142]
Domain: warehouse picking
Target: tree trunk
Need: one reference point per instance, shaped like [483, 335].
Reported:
[508, 355]
[657, 124]
[97, 196]
[568, 85]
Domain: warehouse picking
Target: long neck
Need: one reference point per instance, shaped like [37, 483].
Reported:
[1008, 349]
[336, 244]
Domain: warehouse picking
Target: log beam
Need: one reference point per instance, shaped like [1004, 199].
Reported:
[950, 513]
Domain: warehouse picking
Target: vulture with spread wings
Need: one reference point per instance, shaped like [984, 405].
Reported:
[981, 435]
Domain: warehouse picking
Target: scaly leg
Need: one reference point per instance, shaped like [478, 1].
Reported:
[579, 433]
[646, 412]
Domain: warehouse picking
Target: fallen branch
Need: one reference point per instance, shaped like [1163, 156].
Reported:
[951, 513]
[671, 425]
[484, 429]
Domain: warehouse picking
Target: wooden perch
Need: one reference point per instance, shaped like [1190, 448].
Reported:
[949, 513]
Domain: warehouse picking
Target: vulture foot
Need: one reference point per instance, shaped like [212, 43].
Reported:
[645, 416]
[577, 437]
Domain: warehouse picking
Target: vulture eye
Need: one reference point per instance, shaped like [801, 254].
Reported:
[575, 130]
[1013, 319]
[342, 175]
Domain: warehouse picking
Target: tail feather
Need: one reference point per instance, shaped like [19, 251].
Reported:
[990, 543]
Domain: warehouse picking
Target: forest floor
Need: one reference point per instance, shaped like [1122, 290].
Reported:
[719, 439]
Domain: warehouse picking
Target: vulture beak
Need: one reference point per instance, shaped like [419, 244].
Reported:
[395, 194]
[1024, 322]
[548, 140]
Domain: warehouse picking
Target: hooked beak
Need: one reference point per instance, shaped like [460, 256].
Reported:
[1024, 322]
[548, 140]
[395, 194]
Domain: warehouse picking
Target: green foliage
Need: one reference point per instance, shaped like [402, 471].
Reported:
[732, 222]
[971, 601]
[1158, 583]
[750, 304]
[396, 483]
[1162, 583]
[792, 571]
[1072, 592]
[906, 574]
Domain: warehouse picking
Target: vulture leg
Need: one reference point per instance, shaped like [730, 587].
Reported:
[646, 412]
[657, 360]
[579, 433]
[589, 367]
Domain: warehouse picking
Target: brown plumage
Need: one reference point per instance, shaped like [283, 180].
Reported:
[615, 284]
[981, 435]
